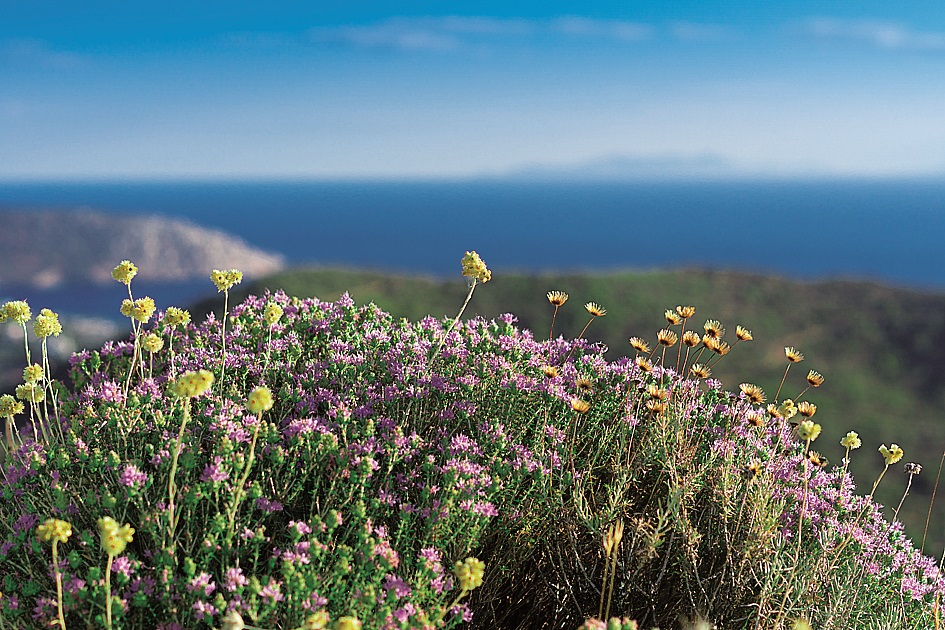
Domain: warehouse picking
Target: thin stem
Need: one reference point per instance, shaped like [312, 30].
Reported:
[573, 344]
[932, 502]
[108, 592]
[55, 559]
[904, 495]
[226, 308]
[238, 495]
[782, 382]
[555, 314]
[172, 483]
[455, 321]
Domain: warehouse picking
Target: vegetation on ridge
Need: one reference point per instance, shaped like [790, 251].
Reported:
[296, 463]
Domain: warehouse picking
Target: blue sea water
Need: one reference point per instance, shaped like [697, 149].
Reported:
[888, 230]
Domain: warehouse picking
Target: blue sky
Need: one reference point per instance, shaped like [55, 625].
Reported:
[435, 89]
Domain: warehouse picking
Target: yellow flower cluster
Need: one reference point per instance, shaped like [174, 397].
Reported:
[191, 384]
[176, 316]
[54, 529]
[316, 621]
[10, 406]
[808, 430]
[30, 392]
[18, 311]
[260, 400]
[851, 441]
[470, 573]
[892, 454]
[124, 272]
[474, 267]
[348, 623]
[232, 621]
[141, 309]
[152, 343]
[114, 537]
[33, 373]
[226, 279]
[46, 324]
[272, 313]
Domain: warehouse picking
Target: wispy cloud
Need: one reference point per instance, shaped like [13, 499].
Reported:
[699, 32]
[891, 35]
[37, 53]
[603, 29]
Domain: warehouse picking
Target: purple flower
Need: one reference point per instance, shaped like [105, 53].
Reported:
[132, 477]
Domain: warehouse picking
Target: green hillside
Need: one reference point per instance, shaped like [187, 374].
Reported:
[879, 347]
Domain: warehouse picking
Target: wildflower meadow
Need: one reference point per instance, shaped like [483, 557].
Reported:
[299, 464]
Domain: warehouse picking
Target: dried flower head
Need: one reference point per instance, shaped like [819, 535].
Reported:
[851, 441]
[585, 385]
[713, 328]
[225, 280]
[691, 339]
[672, 317]
[580, 406]
[806, 409]
[33, 373]
[124, 272]
[260, 400]
[700, 371]
[10, 406]
[152, 343]
[272, 313]
[793, 354]
[470, 573]
[753, 393]
[743, 333]
[191, 384]
[113, 537]
[656, 405]
[892, 454]
[655, 391]
[644, 364]
[774, 411]
[756, 418]
[557, 298]
[474, 267]
[550, 371]
[176, 316]
[751, 470]
[720, 348]
[54, 529]
[912, 468]
[18, 311]
[686, 311]
[667, 337]
[47, 324]
[816, 379]
[639, 345]
[808, 430]
[595, 309]
[817, 459]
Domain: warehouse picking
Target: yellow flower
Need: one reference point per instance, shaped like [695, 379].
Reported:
[141, 309]
[686, 311]
[348, 623]
[46, 324]
[316, 621]
[549, 371]
[639, 345]
[713, 328]
[691, 339]
[595, 309]
[700, 371]
[18, 311]
[124, 272]
[672, 317]
[114, 538]
[226, 279]
[30, 392]
[557, 298]
[654, 391]
[787, 409]
[808, 430]
[152, 343]
[644, 364]
[753, 393]
[892, 454]
[260, 400]
[793, 354]
[232, 621]
[743, 333]
[176, 316]
[667, 337]
[33, 373]
[816, 379]
[585, 384]
[272, 313]
[580, 406]
[470, 573]
[10, 406]
[191, 384]
[851, 441]
[474, 267]
[54, 529]
[806, 409]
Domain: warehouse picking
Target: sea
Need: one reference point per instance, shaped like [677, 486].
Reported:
[885, 230]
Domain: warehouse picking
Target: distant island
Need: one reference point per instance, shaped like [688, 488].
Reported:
[44, 249]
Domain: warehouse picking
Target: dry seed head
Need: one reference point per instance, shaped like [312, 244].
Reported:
[585, 385]
[672, 317]
[912, 468]
[751, 471]
[756, 418]
[700, 371]
[806, 409]
[691, 339]
[743, 333]
[721, 348]
[816, 379]
[793, 354]
[753, 393]
[686, 311]
[580, 406]
[667, 337]
[817, 459]
[549, 371]
[656, 392]
[774, 411]
[557, 298]
[714, 329]
[595, 309]
[644, 364]
[655, 405]
[639, 345]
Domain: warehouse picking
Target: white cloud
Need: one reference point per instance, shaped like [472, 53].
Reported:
[611, 29]
[889, 35]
